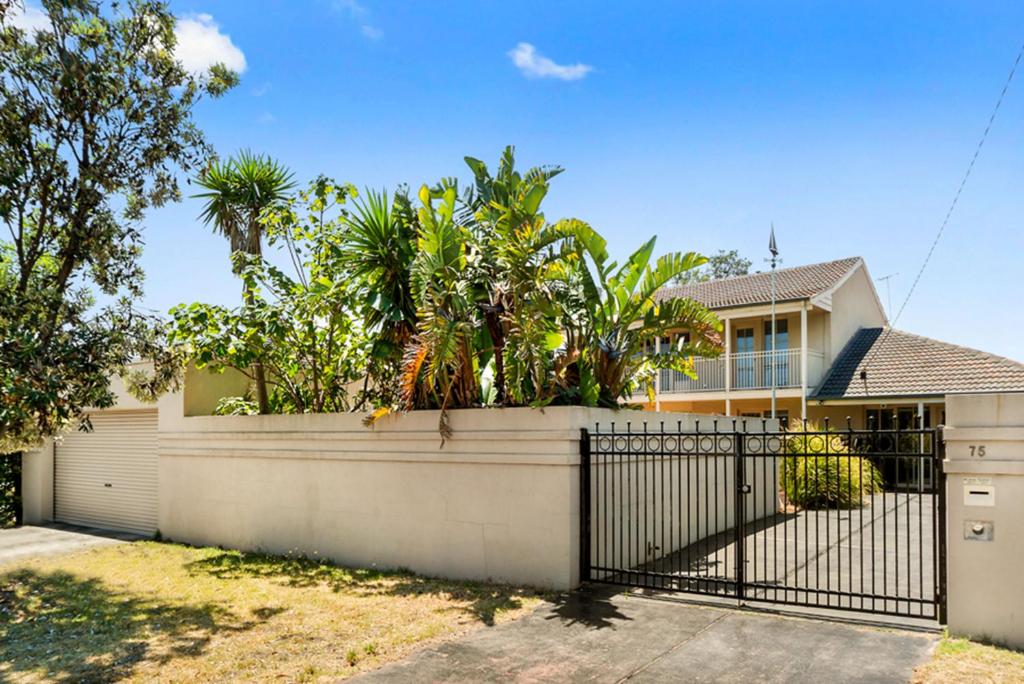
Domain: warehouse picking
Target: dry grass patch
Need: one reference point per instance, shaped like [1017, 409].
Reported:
[148, 610]
[963, 660]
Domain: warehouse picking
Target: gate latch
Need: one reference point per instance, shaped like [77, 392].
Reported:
[744, 489]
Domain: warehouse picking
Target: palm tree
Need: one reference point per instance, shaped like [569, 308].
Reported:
[237, 191]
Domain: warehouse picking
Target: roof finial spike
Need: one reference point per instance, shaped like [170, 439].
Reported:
[772, 247]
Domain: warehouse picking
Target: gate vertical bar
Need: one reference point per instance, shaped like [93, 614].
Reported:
[584, 505]
[939, 452]
[738, 510]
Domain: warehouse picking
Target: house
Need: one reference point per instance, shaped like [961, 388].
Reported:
[835, 354]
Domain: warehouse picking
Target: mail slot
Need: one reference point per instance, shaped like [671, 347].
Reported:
[979, 495]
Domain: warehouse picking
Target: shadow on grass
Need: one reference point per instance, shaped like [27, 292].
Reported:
[65, 628]
[482, 601]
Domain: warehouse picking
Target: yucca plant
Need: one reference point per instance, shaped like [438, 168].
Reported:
[236, 193]
[821, 471]
[378, 250]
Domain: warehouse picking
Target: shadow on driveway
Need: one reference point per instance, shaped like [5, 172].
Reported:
[607, 636]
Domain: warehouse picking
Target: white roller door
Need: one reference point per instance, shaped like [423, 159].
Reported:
[108, 477]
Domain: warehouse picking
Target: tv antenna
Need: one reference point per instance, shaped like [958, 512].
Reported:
[888, 291]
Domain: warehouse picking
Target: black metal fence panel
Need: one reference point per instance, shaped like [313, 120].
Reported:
[839, 519]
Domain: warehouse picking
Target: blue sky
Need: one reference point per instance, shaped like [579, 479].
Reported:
[847, 124]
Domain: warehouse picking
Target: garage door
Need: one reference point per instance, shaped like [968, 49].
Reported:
[108, 477]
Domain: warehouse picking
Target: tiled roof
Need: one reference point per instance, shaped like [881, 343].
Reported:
[800, 282]
[900, 364]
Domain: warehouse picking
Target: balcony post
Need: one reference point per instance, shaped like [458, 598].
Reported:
[803, 361]
[728, 365]
[657, 375]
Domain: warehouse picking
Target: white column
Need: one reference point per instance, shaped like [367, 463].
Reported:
[728, 366]
[803, 361]
[657, 376]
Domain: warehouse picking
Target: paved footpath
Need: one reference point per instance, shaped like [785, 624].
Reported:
[604, 636]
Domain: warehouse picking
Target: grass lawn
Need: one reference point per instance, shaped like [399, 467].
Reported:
[961, 660]
[149, 610]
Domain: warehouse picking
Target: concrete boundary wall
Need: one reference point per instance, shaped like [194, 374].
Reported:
[498, 501]
[985, 522]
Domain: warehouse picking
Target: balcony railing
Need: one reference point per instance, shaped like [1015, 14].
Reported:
[750, 370]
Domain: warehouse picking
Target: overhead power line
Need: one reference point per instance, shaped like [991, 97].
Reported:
[949, 212]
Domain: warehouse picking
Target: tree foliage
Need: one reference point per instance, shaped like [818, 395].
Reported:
[722, 264]
[95, 124]
[445, 300]
[614, 311]
[501, 307]
[302, 328]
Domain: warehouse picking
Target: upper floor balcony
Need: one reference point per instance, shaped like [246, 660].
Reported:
[746, 371]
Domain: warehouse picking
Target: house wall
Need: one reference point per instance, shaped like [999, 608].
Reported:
[985, 542]
[37, 484]
[203, 389]
[854, 306]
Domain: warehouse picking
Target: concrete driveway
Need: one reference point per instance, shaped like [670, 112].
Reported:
[604, 636]
[30, 541]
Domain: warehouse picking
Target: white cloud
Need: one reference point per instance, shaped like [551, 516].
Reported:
[29, 19]
[266, 118]
[261, 90]
[360, 15]
[201, 45]
[535, 65]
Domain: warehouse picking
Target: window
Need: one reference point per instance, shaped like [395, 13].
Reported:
[745, 376]
[782, 415]
[780, 366]
[781, 334]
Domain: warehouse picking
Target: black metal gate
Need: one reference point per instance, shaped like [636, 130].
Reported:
[831, 518]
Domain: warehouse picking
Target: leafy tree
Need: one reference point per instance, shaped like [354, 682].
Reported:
[722, 264]
[613, 312]
[237, 192]
[95, 123]
[302, 328]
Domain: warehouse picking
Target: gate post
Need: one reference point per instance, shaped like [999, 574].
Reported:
[939, 454]
[584, 505]
[739, 510]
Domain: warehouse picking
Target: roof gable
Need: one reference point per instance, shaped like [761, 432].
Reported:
[800, 282]
[900, 364]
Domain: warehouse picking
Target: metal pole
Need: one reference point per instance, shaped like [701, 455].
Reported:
[772, 357]
[774, 250]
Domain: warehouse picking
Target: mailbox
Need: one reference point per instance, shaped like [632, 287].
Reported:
[979, 495]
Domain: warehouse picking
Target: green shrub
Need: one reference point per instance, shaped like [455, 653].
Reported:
[820, 472]
[10, 491]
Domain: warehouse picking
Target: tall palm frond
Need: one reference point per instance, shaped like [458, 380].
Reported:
[237, 191]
